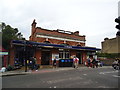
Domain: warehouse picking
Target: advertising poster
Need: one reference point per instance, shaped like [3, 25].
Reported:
[55, 56]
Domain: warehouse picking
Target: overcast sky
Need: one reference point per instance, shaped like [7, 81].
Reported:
[93, 18]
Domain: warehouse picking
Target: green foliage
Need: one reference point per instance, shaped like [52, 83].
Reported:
[8, 33]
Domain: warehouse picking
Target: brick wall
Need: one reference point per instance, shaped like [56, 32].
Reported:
[55, 33]
[12, 56]
[84, 56]
[38, 56]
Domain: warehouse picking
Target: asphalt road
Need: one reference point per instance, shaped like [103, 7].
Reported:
[80, 78]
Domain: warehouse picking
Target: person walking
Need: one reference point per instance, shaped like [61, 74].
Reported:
[88, 62]
[76, 61]
[93, 63]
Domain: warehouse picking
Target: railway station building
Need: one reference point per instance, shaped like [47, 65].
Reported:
[46, 45]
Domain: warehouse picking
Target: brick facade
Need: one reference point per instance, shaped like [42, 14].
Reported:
[56, 36]
[45, 54]
[12, 56]
[39, 34]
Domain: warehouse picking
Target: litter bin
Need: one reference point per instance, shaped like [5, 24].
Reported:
[65, 63]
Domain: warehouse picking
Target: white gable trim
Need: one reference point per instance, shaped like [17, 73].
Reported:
[58, 38]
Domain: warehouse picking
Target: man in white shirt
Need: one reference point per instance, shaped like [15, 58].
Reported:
[76, 62]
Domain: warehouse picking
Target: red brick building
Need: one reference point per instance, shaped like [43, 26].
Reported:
[3, 57]
[39, 34]
[46, 44]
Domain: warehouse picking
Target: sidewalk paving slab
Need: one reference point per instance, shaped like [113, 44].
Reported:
[43, 70]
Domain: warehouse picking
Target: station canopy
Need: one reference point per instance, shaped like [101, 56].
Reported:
[48, 45]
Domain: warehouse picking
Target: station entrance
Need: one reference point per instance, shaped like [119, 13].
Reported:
[79, 55]
[45, 59]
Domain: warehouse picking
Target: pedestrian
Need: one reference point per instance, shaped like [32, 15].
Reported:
[116, 64]
[91, 59]
[89, 62]
[94, 63]
[76, 61]
[29, 64]
[54, 63]
[36, 66]
[33, 59]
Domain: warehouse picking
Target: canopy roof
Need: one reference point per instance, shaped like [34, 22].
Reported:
[37, 44]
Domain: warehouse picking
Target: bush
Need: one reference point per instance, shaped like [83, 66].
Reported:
[108, 55]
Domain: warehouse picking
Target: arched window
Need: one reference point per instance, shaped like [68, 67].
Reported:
[79, 45]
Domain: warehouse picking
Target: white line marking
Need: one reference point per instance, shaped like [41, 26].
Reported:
[54, 86]
[108, 72]
[115, 76]
[101, 73]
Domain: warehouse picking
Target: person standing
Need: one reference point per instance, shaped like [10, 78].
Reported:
[54, 63]
[96, 63]
[35, 60]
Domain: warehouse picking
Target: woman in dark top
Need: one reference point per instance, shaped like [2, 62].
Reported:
[54, 63]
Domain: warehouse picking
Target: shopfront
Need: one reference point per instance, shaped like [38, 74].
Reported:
[45, 53]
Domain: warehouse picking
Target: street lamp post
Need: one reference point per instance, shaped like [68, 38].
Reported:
[25, 56]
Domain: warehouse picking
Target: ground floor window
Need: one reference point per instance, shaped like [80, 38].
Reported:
[64, 54]
[22, 53]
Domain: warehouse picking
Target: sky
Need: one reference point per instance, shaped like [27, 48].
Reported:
[92, 18]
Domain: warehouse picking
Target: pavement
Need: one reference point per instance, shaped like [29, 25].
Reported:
[42, 70]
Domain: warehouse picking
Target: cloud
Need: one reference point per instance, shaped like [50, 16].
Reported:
[93, 18]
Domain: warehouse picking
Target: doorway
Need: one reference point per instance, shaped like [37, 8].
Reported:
[79, 55]
[45, 59]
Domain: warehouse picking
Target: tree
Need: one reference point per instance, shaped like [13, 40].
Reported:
[8, 33]
[2, 26]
